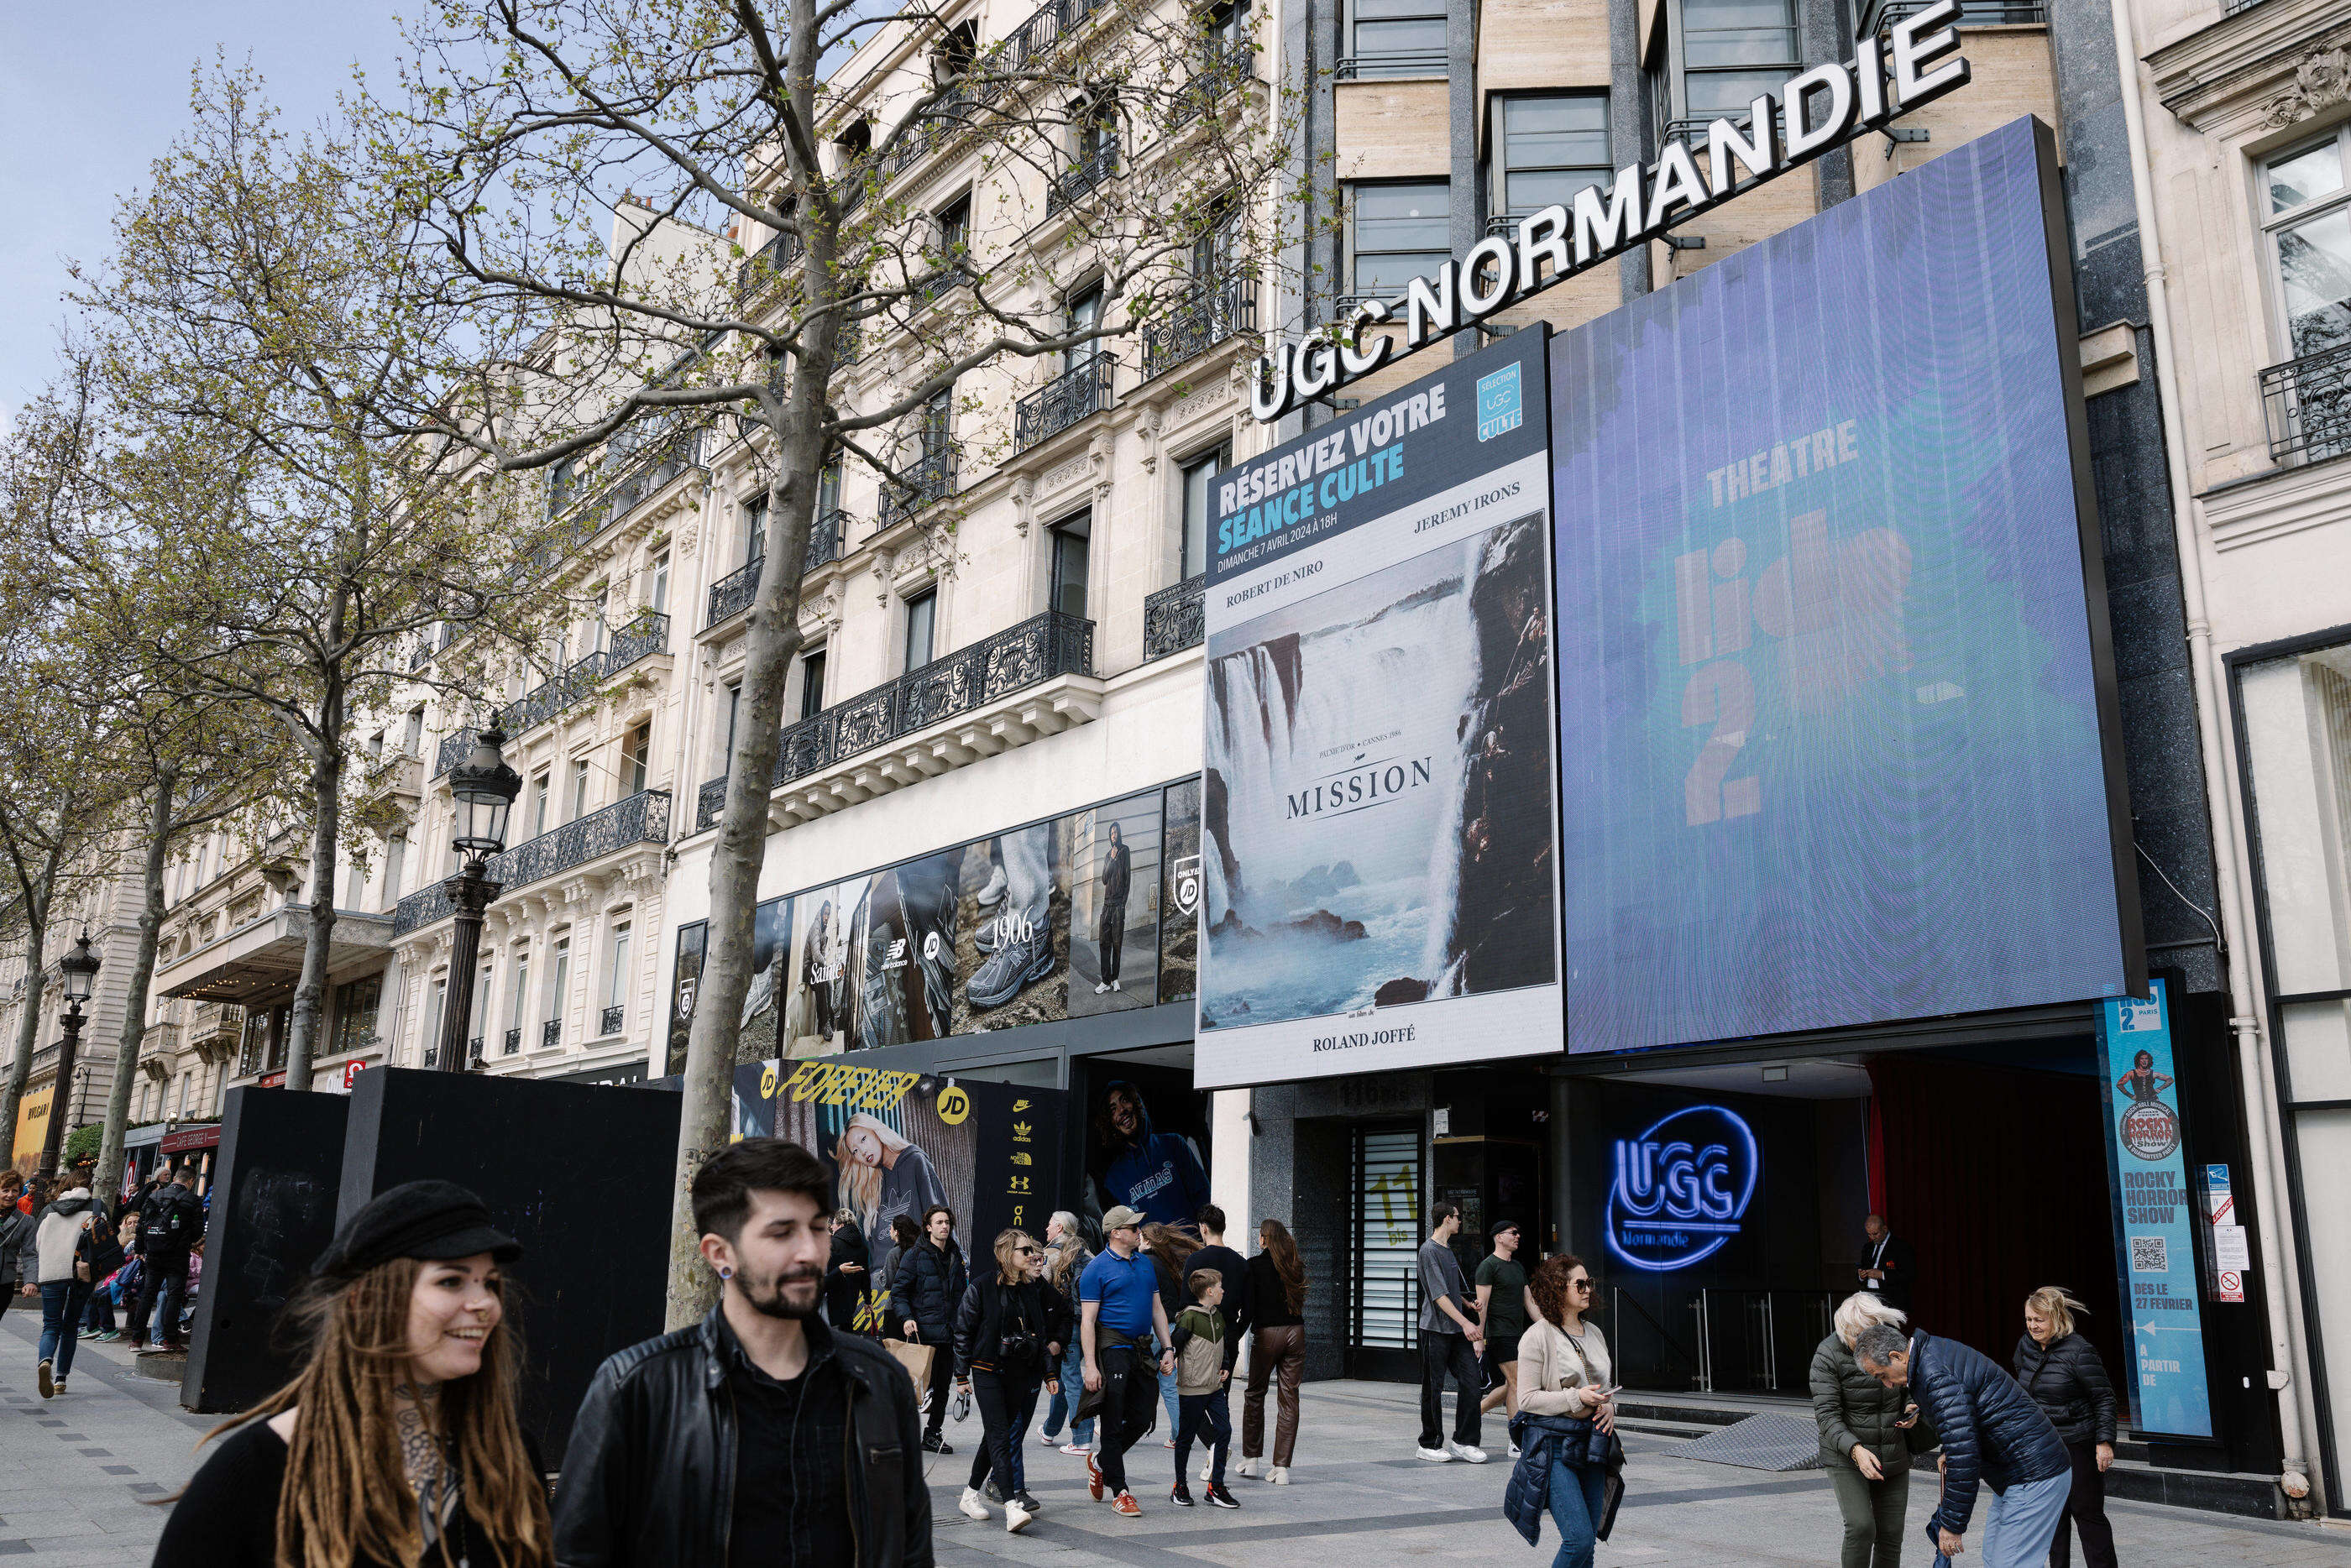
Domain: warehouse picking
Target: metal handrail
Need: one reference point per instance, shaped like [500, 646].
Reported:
[613, 1019]
[928, 479]
[2307, 403]
[1213, 313]
[642, 818]
[1877, 15]
[1037, 650]
[1174, 618]
[1083, 390]
[1081, 179]
[731, 594]
[1381, 63]
[643, 638]
[1223, 66]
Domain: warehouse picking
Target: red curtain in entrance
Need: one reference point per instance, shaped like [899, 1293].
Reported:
[1997, 1177]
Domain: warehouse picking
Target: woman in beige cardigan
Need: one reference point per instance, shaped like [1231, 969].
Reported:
[1563, 1370]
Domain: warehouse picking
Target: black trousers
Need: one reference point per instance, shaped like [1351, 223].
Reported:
[1007, 1404]
[934, 1414]
[2085, 1510]
[1110, 939]
[167, 1286]
[1130, 1403]
[1441, 1354]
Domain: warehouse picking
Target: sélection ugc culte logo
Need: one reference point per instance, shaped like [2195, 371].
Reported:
[1681, 1187]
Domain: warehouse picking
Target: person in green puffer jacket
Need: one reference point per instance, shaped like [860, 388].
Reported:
[1869, 1433]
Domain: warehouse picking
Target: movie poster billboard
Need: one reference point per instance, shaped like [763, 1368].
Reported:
[1179, 893]
[2156, 1216]
[897, 1142]
[764, 1003]
[1114, 905]
[901, 950]
[1837, 737]
[1012, 928]
[823, 998]
[1378, 828]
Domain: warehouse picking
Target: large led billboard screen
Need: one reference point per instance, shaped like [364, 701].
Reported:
[1836, 728]
[1379, 876]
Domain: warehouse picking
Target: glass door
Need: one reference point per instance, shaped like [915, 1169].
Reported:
[1384, 1239]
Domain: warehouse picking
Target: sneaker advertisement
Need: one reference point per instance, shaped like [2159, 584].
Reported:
[1114, 906]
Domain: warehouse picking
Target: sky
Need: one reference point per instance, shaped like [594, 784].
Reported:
[91, 94]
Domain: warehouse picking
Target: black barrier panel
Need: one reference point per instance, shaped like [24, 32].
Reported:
[579, 1173]
[273, 1212]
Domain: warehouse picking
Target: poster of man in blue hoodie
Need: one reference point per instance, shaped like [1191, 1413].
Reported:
[1159, 1174]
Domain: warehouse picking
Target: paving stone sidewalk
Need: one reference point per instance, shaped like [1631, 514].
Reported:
[78, 1473]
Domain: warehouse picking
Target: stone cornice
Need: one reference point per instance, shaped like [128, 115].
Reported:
[2268, 67]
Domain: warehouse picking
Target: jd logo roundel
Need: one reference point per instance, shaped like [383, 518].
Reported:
[1681, 1187]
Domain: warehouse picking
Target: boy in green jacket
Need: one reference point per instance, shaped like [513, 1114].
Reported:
[1200, 1341]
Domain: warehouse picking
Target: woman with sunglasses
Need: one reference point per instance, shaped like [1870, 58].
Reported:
[1563, 1370]
[1010, 1328]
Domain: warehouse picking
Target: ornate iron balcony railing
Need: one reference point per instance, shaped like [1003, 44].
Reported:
[1213, 313]
[2308, 405]
[1035, 651]
[456, 746]
[1224, 66]
[920, 483]
[1045, 28]
[1073, 186]
[1081, 389]
[642, 818]
[643, 638]
[1174, 617]
[731, 594]
[764, 268]
[550, 1032]
[514, 1040]
[613, 1019]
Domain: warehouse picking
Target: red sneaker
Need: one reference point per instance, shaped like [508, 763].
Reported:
[1126, 1507]
[1094, 1478]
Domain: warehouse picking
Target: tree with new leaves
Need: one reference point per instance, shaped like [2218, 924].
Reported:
[733, 208]
[268, 344]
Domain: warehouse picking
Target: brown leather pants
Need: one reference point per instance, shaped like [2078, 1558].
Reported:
[1280, 1354]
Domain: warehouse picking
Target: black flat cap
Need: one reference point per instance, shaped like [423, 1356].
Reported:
[427, 1219]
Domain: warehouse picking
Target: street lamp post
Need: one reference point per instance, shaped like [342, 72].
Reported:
[79, 971]
[484, 788]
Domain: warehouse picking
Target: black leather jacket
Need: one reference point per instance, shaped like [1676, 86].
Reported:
[649, 1479]
[1992, 1432]
[982, 1316]
[926, 1285]
[2069, 1383]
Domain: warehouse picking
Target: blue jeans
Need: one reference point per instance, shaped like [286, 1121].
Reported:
[61, 1306]
[1575, 1510]
[1174, 1402]
[1068, 1387]
[2011, 1529]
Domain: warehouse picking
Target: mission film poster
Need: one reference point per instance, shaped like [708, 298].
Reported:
[897, 1142]
[1378, 859]
[1837, 726]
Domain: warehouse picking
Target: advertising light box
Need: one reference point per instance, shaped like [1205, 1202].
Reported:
[1379, 876]
[1837, 741]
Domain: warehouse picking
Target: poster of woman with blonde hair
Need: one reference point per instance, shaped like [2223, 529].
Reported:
[883, 1176]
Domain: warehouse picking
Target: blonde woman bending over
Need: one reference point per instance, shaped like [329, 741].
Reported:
[1868, 1434]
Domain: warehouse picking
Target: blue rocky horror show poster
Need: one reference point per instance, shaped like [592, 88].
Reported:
[1829, 683]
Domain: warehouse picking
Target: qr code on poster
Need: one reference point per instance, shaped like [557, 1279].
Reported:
[2151, 1254]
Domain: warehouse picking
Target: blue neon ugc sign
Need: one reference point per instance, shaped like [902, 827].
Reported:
[1681, 1187]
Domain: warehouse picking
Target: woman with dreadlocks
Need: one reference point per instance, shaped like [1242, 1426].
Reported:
[396, 1446]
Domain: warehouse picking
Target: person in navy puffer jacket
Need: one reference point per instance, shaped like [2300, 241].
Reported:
[1993, 1434]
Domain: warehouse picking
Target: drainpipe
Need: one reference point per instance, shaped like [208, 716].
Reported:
[2263, 1115]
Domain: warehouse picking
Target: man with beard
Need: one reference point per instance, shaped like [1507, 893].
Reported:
[1110, 924]
[1153, 1172]
[760, 1435]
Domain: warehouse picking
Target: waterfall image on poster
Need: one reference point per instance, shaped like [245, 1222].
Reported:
[1377, 822]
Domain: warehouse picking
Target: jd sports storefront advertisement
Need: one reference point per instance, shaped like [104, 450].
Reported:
[1377, 828]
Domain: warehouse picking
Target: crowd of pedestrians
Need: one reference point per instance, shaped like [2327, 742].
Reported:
[784, 1426]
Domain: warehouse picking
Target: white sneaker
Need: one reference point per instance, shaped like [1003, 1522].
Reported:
[1436, 1456]
[1281, 1476]
[1114, 985]
[993, 894]
[1248, 1468]
[1100, 988]
[1049, 1442]
[1207, 1469]
[971, 1506]
[1076, 1450]
[1016, 1517]
[1514, 1451]
[1465, 1453]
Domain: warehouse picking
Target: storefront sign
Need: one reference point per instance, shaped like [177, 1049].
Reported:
[1837, 732]
[2158, 1215]
[1378, 833]
[1823, 108]
[206, 1136]
[1681, 1187]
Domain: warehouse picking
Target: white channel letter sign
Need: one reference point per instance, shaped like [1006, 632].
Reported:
[1822, 109]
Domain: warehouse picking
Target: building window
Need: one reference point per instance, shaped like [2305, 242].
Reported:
[1068, 593]
[616, 984]
[2309, 214]
[412, 738]
[599, 632]
[436, 1004]
[395, 852]
[657, 590]
[578, 788]
[955, 231]
[733, 704]
[1199, 476]
[560, 484]
[1733, 52]
[355, 1006]
[517, 999]
[922, 614]
[755, 528]
[636, 758]
[938, 427]
[481, 1013]
[1400, 232]
[813, 683]
[538, 796]
[1551, 147]
[1086, 314]
[559, 982]
[1396, 38]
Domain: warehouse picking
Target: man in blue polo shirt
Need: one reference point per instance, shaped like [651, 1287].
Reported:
[1124, 1322]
